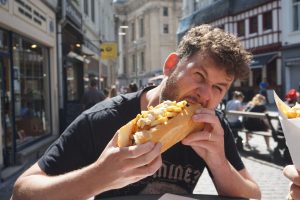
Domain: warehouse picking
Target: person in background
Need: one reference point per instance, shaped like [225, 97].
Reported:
[86, 161]
[257, 104]
[263, 86]
[92, 95]
[293, 175]
[132, 87]
[291, 97]
[235, 104]
[106, 92]
[112, 92]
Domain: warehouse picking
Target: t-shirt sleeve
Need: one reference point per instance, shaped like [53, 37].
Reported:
[70, 151]
[231, 151]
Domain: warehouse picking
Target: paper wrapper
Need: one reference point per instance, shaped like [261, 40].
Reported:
[291, 131]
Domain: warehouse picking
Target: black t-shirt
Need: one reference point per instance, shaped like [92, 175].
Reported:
[84, 140]
[255, 124]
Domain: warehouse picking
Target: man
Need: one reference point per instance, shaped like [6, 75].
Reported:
[293, 174]
[92, 95]
[80, 164]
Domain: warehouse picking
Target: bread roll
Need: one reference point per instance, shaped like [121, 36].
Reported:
[167, 123]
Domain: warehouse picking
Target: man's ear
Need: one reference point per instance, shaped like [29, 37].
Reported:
[170, 63]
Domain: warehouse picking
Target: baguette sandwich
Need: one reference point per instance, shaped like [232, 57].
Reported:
[167, 123]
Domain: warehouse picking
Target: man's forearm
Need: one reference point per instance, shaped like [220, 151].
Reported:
[79, 184]
[229, 182]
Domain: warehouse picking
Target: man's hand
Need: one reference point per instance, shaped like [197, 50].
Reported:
[208, 143]
[294, 175]
[126, 165]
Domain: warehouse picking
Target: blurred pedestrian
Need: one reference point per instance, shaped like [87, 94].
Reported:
[92, 95]
[291, 97]
[132, 87]
[112, 92]
[235, 104]
[257, 104]
[263, 86]
[293, 174]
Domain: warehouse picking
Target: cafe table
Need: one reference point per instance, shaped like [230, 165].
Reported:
[172, 197]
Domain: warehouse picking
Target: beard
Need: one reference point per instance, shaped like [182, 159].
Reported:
[171, 90]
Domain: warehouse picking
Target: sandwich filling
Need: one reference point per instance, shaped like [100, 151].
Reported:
[147, 121]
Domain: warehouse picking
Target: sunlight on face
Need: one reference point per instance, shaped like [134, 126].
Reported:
[197, 79]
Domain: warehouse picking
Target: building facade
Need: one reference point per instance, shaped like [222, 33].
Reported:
[107, 33]
[257, 24]
[28, 82]
[148, 39]
[291, 44]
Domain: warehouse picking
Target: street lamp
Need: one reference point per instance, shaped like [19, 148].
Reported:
[121, 50]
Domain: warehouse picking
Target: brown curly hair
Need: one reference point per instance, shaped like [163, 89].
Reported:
[224, 48]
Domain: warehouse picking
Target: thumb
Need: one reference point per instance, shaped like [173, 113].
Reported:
[114, 140]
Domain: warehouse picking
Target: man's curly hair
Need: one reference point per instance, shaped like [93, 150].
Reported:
[224, 48]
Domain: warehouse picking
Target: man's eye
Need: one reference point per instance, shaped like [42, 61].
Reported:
[200, 75]
[218, 88]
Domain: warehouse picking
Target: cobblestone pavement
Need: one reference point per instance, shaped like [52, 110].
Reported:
[273, 185]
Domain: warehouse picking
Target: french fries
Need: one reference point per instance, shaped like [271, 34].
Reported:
[293, 112]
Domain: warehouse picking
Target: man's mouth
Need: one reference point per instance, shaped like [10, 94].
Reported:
[193, 100]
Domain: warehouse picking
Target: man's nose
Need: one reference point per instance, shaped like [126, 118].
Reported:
[204, 93]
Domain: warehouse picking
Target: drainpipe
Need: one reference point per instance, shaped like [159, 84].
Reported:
[60, 25]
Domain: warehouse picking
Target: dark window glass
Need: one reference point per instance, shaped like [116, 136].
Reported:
[142, 61]
[31, 88]
[93, 10]
[241, 28]
[132, 31]
[267, 20]
[141, 27]
[253, 24]
[296, 15]
[86, 7]
[166, 28]
[165, 11]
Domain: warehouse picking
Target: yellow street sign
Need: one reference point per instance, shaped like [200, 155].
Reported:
[109, 51]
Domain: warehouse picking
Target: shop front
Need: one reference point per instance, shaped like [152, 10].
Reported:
[25, 63]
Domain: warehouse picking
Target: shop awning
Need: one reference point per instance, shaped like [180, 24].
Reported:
[261, 60]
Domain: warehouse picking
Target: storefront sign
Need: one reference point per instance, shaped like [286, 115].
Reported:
[91, 46]
[4, 4]
[33, 15]
[109, 51]
[73, 14]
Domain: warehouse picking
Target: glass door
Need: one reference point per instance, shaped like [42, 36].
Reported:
[6, 110]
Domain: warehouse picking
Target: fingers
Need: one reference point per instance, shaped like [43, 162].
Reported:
[147, 158]
[137, 150]
[295, 191]
[149, 169]
[293, 174]
[199, 136]
[208, 117]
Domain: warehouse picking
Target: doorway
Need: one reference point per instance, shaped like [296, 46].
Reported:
[7, 137]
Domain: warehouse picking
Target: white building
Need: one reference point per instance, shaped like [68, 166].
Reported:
[28, 80]
[290, 24]
[149, 38]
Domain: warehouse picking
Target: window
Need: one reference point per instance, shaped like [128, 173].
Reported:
[142, 61]
[132, 31]
[253, 24]
[166, 28]
[296, 15]
[241, 28]
[267, 20]
[86, 7]
[31, 88]
[141, 27]
[134, 63]
[124, 65]
[165, 11]
[93, 10]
